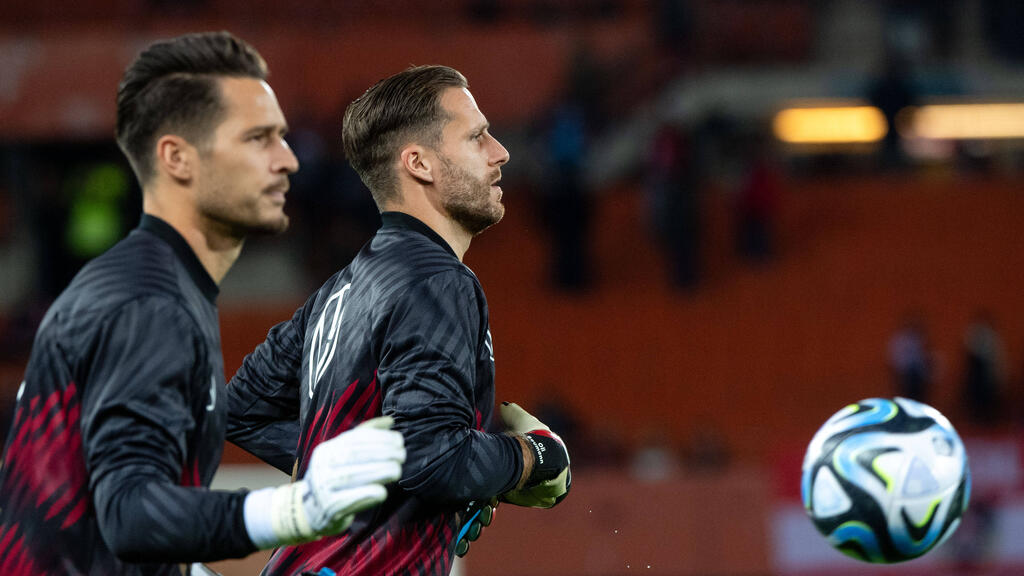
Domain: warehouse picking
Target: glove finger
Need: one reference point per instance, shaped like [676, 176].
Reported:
[486, 515]
[376, 436]
[543, 495]
[367, 444]
[353, 500]
[368, 454]
[528, 499]
[462, 548]
[548, 488]
[474, 531]
[337, 478]
[519, 420]
[538, 503]
[354, 451]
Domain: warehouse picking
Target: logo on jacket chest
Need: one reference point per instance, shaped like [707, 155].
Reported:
[324, 342]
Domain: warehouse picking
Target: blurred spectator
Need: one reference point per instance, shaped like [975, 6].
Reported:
[984, 376]
[335, 212]
[312, 199]
[718, 133]
[588, 86]
[911, 360]
[673, 189]
[757, 205]
[356, 218]
[891, 91]
[566, 202]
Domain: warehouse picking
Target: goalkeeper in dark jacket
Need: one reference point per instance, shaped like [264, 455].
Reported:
[403, 331]
[120, 421]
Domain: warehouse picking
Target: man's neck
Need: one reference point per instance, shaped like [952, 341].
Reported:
[216, 249]
[450, 231]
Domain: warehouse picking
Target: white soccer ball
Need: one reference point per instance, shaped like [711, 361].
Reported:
[886, 480]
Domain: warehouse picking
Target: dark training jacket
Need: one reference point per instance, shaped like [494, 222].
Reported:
[120, 423]
[403, 331]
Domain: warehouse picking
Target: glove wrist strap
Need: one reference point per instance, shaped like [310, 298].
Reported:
[288, 514]
[549, 457]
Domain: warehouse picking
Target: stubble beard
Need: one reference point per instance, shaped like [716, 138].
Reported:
[468, 200]
[241, 219]
[245, 222]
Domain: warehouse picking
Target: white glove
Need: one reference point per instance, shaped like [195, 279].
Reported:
[346, 475]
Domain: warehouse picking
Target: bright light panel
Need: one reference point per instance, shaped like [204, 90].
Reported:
[967, 121]
[830, 125]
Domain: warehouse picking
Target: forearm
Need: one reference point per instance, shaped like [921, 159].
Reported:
[150, 520]
[476, 467]
[144, 518]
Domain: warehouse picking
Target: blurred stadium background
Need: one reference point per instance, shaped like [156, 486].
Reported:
[726, 219]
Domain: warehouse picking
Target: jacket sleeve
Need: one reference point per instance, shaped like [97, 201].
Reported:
[428, 373]
[137, 404]
[263, 396]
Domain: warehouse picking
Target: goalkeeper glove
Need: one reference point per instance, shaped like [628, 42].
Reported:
[346, 475]
[475, 518]
[550, 480]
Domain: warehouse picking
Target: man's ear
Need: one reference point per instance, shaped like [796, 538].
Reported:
[176, 157]
[417, 162]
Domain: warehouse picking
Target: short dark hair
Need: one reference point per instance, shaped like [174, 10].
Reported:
[394, 111]
[172, 87]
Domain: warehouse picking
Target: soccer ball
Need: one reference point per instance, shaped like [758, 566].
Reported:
[886, 480]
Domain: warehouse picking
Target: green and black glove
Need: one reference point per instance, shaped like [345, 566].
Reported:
[476, 517]
[551, 479]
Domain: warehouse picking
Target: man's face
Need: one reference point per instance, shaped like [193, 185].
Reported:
[471, 161]
[244, 166]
